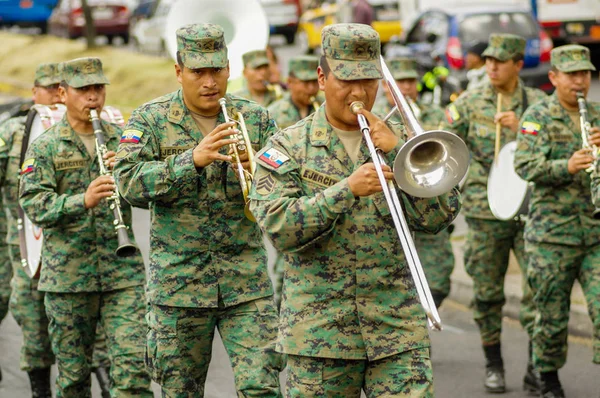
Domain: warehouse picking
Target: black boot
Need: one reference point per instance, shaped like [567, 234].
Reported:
[494, 369]
[103, 380]
[531, 381]
[40, 383]
[550, 385]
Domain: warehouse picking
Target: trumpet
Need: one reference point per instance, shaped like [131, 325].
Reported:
[585, 138]
[274, 88]
[244, 145]
[125, 247]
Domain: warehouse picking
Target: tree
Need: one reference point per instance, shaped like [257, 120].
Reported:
[90, 29]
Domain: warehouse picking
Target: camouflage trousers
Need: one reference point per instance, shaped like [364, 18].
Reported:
[486, 260]
[5, 274]
[27, 307]
[437, 258]
[552, 272]
[73, 319]
[408, 374]
[179, 345]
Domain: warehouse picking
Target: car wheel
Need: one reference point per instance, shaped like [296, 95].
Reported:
[125, 38]
[43, 27]
[110, 39]
[290, 38]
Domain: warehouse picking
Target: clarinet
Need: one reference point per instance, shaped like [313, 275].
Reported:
[585, 135]
[125, 247]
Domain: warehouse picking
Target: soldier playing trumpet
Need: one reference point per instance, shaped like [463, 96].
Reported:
[85, 282]
[257, 74]
[208, 264]
[561, 237]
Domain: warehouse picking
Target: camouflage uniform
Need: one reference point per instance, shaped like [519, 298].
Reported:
[435, 250]
[349, 305]
[84, 281]
[286, 114]
[5, 268]
[489, 240]
[255, 59]
[561, 237]
[207, 260]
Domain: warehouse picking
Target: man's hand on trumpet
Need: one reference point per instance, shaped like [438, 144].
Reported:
[383, 138]
[207, 151]
[244, 159]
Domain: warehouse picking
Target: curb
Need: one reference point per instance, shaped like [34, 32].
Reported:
[461, 291]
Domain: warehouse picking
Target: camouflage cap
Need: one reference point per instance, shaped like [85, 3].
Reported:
[255, 59]
[81, 72]
[304, 67]
[47, 75]
[352, 51]
[202, 46]
[403, 68]
[504, 46]
[571, 58]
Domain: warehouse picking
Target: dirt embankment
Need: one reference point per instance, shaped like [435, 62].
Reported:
[135, 78]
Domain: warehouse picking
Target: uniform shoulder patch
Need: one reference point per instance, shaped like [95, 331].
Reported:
[28, 166]
[273, 158]
[2, 143]
[265, 184]
[452, 113]
[131, 136]
[530, 128]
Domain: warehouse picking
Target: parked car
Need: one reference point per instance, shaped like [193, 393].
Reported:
[111, 19]
[283, 17]
[26, 13]
[386, 22]
[148, 25]
[444, 33]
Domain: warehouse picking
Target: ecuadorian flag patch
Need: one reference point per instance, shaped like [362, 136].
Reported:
[273, 157]
[28, 166]
[452, 113]
[131, 136]
[530, 128]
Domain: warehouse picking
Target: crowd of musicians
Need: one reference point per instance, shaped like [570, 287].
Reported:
[343, 315]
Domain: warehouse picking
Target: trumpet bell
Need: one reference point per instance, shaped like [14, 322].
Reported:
[431, 163]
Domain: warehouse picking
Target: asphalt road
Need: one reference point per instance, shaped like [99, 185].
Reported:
[457, 356]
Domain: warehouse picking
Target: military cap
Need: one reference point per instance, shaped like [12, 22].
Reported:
[504, 46]
[477, 47]
[571, 58]
[403, 68]
[255, 59]
[81, 72]
[304, 67]
[47, 75]
[352, 51]
[202, 46]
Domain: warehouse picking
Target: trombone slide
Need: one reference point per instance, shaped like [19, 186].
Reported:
[408, 246]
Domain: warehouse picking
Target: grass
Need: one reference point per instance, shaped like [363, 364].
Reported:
[135, 78]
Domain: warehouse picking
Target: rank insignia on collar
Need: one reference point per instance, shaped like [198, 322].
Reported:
[273, 158]
[530, 128]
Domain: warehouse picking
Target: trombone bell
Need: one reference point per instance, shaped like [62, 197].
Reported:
[430, 164]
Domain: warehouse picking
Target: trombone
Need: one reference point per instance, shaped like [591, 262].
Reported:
[244, 145]
[427, 165]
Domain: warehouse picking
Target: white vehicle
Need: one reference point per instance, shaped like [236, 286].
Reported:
[283, 17]
[569, 21]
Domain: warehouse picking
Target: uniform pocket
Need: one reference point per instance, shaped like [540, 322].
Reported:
[162, 354]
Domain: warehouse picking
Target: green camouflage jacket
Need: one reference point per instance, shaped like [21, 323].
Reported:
[431, 116]
[471, 117]
[347, 291]
[285, 112]
[79, 246]
[561, 203]
[268, 99]
[11, 137]
[203, 247]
